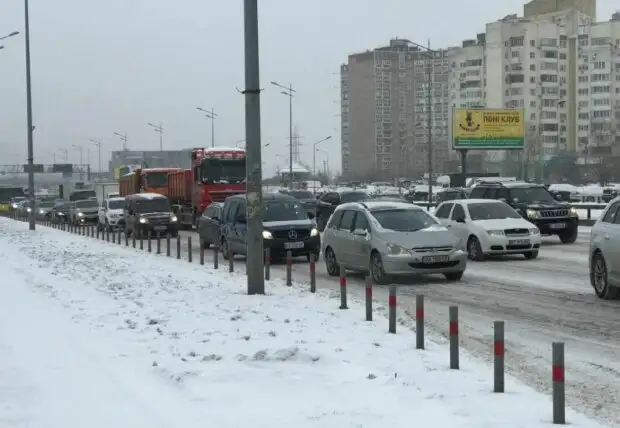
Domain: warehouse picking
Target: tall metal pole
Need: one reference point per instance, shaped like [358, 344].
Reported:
[31, 217]
[290, 145]
[254, 190]
[429, 121]
[161, 137]
[212, 127]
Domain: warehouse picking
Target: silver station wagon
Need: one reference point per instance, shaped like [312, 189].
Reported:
[388, 238]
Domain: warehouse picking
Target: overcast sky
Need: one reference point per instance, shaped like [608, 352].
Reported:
[101, 67]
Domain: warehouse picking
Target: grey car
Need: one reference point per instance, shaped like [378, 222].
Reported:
[387, 238]
[84, 212]
[605, 252]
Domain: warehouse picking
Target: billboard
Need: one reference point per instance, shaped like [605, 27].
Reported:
[36, 167]
[488, 129]
[65, 168]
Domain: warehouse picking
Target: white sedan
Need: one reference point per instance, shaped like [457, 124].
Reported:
[490, 227]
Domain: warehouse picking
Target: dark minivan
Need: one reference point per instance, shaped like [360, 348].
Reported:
[149, 214]
[286, 227]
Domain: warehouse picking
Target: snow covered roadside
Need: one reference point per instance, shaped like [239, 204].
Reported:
[107, 336]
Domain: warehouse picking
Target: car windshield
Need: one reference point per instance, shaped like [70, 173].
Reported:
[531, 195]
[116, 204]
[155, 205]
[82, 194]
[491, 211]
[157, 179]
[403, 220]
[301, 194]
[62, 207]
[89, 203]
[353, 197]
[223, 171]
[284, 211]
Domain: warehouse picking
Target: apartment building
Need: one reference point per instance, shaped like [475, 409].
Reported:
[388, 96]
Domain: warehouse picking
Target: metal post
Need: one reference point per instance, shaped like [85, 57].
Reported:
[267, 264]
[216, 261]
[392, 310]
[148, 242]
[290, 125]
[113, 237]
[202, 252]
[178, 247]
[313, 273]
[254, 186]
[30, 159]
[289, 268]
[368, 298]
[133, 240]
[343, 289]
[189, 249]
[231, 261]
[141, 241]
[158, 243]
[498, 356]
[454, 337]
[559, 388]
[429, 120]
[107, 235]
[126, 238]
[120, 236]
[168, 245]
[419, 322]
[212, 127]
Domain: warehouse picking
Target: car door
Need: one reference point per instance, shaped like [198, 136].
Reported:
[610, 242]
[228, 229]
[203, 225]
[344, 241]
[458, 221]
[241, 229]
[443, 213]
[360, 242]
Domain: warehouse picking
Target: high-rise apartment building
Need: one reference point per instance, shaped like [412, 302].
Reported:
[386, 95]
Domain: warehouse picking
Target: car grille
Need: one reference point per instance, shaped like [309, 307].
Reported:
[554, 213]
[510, 232]
[159, 221]
[437, 265]
[431, 249]
[283, 234]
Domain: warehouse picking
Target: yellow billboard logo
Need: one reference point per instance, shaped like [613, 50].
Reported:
[488, 129]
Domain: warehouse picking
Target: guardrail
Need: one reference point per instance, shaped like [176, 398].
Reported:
[166, 246]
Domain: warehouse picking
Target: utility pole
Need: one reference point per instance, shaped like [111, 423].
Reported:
[314, 149]
[123, 138]
[254, 188]
[429, 119]
[290, 93]
[210, 114]
[31, 217]
[160, 130]
[97, 143]
[65, 154]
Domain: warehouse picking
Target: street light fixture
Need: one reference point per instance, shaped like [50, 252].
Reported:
[14, 33]
[210, 114]
[160, 130]
[290, 93]
[97, 143]
[123, 138]
[314, 149]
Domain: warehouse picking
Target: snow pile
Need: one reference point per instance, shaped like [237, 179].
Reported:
[144, 340]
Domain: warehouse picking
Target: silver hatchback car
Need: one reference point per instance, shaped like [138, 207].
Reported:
[388, 238]
[605, 252]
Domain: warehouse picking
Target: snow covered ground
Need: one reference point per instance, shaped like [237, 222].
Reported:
[97, 335]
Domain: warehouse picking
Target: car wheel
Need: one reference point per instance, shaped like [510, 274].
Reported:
[331, 264]
[474, 249]
[531, 254]
[569, 236]
[224, 248]
[598, 279]
[454, 276]
[377, 271]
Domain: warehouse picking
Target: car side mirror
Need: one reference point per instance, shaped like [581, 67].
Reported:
[360, 232]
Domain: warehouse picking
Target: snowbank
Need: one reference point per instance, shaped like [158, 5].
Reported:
[105, 336]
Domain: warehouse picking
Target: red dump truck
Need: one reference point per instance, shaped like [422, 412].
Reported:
[216, 174]
[146, 180]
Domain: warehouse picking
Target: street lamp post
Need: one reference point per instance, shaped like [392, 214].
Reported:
[210, 114]
[13, 34]
[97, 143]
[31, 219]
[160, 130]
[123, 138]
[314, 149]
[80, 150]
[290, 93]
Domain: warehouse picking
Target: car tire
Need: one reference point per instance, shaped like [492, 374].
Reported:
[376, 269]
[569, 237]
[224, 247]
[331, 263]
[530, 255]
[454, 276]
[474, 250]
[598, 278]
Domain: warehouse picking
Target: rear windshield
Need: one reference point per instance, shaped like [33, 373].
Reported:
[300, 194]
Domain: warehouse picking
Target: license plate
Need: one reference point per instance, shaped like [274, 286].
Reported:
[293, 245]
[557, 226]
[435, 259]
[158, 228]
[519, 242]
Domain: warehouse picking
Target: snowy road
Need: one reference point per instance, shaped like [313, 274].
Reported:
[543, 300]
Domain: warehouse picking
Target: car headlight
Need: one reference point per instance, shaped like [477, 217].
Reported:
[534, 231]
[143, 220]
[531, 213]
[173, 218]
[41, 212]
[267, 234]
[397, 250]
[495, 232]
[28, 209]
[14, 205]
[314, 232]
[80, 214]
[573, 212]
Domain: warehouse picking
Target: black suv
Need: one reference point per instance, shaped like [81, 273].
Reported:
[536, 204]
[330, 200]
[149, 214]
[286, 227]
